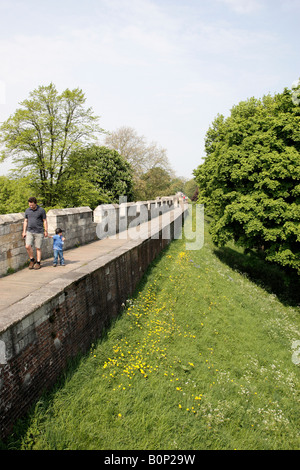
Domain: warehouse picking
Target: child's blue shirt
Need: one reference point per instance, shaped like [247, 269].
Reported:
[57, 242]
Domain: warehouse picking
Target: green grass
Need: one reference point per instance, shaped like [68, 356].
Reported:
[200, 358]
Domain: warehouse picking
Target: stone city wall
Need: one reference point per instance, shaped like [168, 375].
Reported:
[43, 331]
[79, 224]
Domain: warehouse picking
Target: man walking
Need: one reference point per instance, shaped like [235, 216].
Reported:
[34, 229]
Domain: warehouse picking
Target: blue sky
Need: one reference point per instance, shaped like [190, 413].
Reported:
[164, 67]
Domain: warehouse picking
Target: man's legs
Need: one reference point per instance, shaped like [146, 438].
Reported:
[37, 239]
[29, 251]
[38, 254]
[28, 246]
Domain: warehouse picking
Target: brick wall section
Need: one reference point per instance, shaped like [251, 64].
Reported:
[44, 331]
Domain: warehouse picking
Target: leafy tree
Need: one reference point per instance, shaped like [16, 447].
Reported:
[141, 155]
[250, 180]
[190, 188]
[95, 175]
[41, 135]
[195, 196]
[177, 184]
[156, 182]
[14, 194]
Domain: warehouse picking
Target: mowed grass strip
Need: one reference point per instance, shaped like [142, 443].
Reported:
[201, 358]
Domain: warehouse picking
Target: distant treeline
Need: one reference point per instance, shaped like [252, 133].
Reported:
[53, 142]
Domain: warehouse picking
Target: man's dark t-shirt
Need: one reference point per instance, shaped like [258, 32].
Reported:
[35, 219]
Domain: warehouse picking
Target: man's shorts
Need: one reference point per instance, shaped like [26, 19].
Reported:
[34, 238]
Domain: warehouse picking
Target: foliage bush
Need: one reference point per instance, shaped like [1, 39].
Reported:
[250, 180]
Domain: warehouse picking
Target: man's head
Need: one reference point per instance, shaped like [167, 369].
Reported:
[32, 202]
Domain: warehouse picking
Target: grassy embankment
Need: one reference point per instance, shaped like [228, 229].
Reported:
[201, 358]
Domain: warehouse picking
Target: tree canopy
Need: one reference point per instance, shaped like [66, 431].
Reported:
[95, 175]
[250, 179]
[41, 135]
[14, 194]
[51, 139]
[144, 158]
[155, 182]
[135, 149]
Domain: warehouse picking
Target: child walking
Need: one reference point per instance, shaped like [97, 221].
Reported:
[58, 241]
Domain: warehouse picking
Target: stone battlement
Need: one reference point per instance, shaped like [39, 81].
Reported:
[79, 224]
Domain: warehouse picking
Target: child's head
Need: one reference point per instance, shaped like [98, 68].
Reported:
[58, 231]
